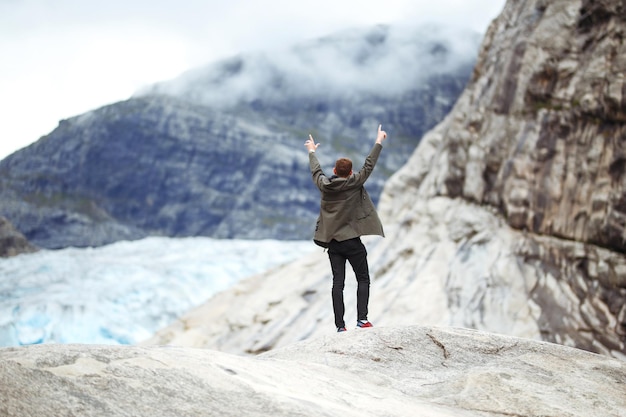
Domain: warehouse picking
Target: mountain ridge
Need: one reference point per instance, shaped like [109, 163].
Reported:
[166, 162]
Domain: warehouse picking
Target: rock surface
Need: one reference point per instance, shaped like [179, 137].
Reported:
[538, 134]
[12, 242]
[507, 218]
[394, 371]
[536, 138]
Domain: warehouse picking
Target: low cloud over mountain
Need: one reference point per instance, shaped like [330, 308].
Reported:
[385, 61]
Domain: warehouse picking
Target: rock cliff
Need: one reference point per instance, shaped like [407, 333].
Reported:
[394, 371]
[509, 216]
[537, 140]
[219, 151]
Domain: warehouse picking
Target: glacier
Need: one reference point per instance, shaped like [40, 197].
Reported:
[122, 293]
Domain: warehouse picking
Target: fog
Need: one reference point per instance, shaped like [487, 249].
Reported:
[380, 59]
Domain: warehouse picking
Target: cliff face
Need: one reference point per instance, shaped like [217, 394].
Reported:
[539, 136]
[539, 133]
[509, 216]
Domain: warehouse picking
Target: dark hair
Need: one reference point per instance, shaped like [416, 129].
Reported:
[343, 166]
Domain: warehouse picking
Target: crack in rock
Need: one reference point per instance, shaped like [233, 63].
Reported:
[446, 354]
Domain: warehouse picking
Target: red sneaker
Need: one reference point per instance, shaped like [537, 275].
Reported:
[341, 329]
[364, 324]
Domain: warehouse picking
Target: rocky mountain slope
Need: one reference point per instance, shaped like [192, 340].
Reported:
[218, 152]
[509, 217]
[12, 242]
[394, 371]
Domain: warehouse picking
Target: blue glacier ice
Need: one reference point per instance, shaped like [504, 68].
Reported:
[122, 293]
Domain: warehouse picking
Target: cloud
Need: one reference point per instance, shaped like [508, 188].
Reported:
[383, 60]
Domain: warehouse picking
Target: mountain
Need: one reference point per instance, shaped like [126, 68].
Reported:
[219, 151]
[395, 371]
[508, 217]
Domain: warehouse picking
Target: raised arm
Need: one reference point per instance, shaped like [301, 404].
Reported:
[382, 135]
[316, 169]
[310, 144]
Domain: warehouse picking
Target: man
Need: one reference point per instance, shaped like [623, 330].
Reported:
[346, 213]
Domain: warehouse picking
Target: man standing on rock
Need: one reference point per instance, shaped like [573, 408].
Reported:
[346, 214]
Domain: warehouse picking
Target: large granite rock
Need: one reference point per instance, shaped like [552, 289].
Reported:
[507, 218]
[538, 132]
[536, 139]
[219, 151]
[394, 371]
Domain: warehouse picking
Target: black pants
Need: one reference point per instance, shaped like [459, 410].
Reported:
[354, 252]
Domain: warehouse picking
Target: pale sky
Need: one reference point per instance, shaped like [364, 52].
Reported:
[61, 58]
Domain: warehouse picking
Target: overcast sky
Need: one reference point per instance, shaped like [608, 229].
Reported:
[61, 58]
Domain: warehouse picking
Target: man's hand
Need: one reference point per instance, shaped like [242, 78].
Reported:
[311, 145]
[382, 135]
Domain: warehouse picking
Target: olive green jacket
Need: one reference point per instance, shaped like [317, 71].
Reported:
[346, 210]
